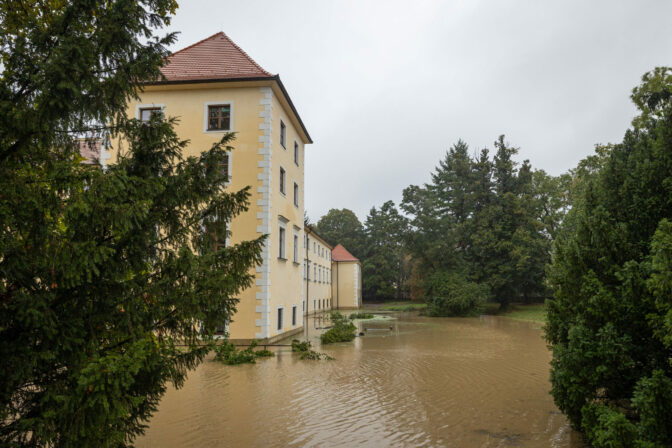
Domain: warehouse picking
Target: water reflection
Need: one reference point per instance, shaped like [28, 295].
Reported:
[412, 381]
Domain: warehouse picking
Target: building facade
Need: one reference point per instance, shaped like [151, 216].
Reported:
[317, 273]
[347, 279]
[214, 87]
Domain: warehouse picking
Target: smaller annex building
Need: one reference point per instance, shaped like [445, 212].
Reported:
[347, 279]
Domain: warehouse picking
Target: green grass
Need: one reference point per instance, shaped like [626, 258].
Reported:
[535, 312]
[403, 306]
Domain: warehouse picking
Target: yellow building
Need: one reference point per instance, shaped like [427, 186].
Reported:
[317, 273]
[347, 279]
[214, 87]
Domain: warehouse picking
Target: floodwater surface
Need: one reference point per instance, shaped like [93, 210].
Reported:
[424, 382]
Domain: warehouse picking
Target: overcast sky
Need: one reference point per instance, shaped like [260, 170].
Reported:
[385, 87]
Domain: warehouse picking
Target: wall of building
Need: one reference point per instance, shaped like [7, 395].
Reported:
[318, 283]
[347, 285]
[255, 161]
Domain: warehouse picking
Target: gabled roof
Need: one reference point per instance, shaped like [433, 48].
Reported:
[340, 253]
[218, 59]
[215, 57]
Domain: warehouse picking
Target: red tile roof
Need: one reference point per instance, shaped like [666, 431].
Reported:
[340, 253]
[215, 57]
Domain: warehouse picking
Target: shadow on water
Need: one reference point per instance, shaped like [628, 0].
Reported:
[409, 381]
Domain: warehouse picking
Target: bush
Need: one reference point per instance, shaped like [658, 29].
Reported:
[450, 294]
[312, 355]
[228, 354]
[300, 346]
[342, 331]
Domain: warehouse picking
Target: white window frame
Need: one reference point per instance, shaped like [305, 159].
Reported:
[280, 317]
[297, 153]
[283, 181]
[149, 106]
[282, 245]
[283, 135]
[205, 116]
[296, 195]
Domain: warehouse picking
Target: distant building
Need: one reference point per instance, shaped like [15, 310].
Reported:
[317, 278]
[347, 283]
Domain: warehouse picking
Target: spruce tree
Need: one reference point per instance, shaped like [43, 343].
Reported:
[109, 287]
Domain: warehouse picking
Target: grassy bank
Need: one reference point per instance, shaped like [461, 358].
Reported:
[403, 306]
[535, 312]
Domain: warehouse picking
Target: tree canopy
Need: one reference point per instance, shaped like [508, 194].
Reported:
[610, 323]
[109, 286]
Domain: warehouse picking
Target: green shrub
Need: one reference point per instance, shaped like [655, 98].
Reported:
[342, 330]
[361, 316]
[228, 354]
[264, 354]
[300, 346]
[312, 355]
[450, 294]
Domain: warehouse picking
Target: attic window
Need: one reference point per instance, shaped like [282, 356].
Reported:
[219, 117]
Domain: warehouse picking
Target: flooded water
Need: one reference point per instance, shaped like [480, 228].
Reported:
[426, 382]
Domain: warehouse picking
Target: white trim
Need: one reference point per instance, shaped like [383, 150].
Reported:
[263, 277]
[148, 106]
[205, 116]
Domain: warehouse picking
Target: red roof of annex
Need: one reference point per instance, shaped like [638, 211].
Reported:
[215, 57]
[340, 253]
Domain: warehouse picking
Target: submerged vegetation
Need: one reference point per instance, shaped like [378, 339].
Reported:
[303, 347]
[227, 353]
[342, 331]
[404, 306]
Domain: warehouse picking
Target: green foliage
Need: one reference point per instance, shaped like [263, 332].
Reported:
[227, 353]
[300, 346]
[384, 269]
[354, 316]
[105, 275]
[264, 353]
[450, 294]
[609, 323]
[315, 356]
[343, 227]
[342, 331]
[486, 220]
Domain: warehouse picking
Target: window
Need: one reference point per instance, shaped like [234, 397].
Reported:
[294, 316]
[280, 323]
[308, 270]
[303, 306]
[281, 240]
[296, 248]
[315, 273]
[215, 231]
[296, 153]
[283, 176]
[219, 117]
[224, 167]
[314, 247]
[283, 134]
[314, 306]
[146, 113]
[296, 194]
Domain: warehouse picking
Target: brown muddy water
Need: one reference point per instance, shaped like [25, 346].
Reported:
[427, 382]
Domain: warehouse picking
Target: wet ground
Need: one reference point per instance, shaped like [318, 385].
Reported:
[424, 382]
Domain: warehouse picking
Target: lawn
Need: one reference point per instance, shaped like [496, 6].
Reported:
[403, 306]
[535, 312]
